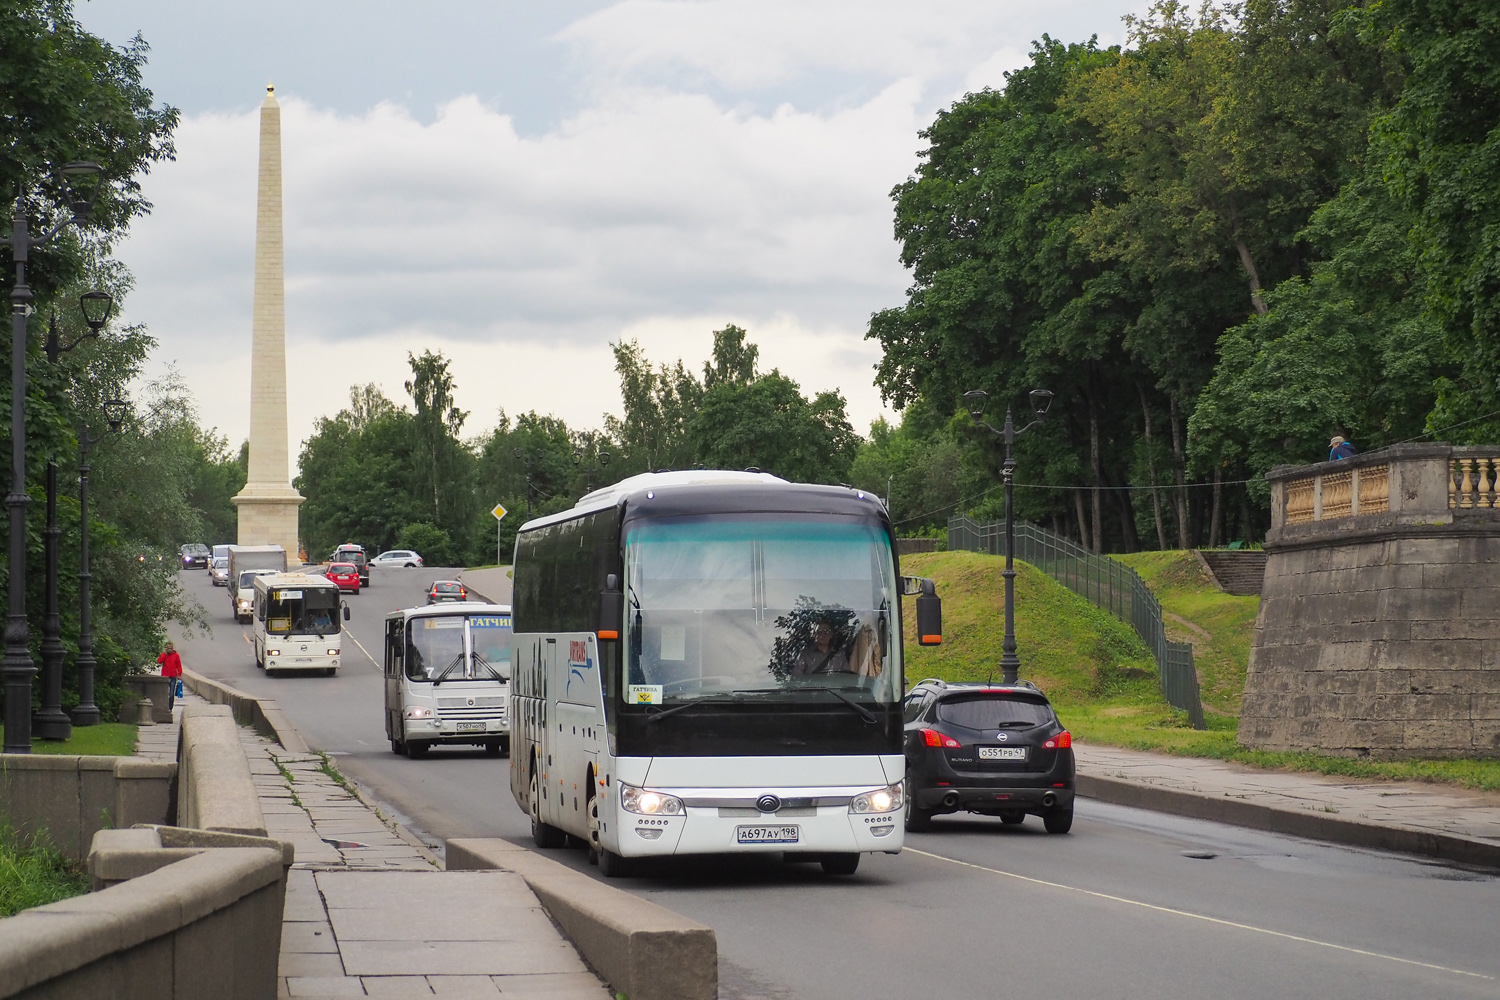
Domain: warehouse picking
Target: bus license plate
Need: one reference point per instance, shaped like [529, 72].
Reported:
[766, 834]
[471, 727]
[1002, 753]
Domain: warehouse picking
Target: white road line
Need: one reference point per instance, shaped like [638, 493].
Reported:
[1200, 916]
[373, 662]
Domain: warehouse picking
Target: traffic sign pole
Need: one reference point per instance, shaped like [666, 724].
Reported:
[499, 513]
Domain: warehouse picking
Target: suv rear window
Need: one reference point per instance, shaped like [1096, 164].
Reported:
[994, 712]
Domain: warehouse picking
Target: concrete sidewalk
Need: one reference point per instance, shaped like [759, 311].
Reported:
[369, 912]
[1417, 817]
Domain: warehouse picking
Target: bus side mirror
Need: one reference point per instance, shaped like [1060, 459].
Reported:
[611, 609]
[929, 615]
[346, 612]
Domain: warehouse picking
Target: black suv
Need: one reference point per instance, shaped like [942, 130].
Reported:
[992, 749]
[355, 554]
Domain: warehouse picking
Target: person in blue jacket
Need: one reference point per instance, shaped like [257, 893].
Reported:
[1338, 449]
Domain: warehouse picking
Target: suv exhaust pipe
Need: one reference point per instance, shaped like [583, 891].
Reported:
[950, 801]
[1049, 800]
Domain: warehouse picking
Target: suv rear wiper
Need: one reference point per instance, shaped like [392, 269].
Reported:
[864, 713]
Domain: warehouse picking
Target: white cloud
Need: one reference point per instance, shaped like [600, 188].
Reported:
[661, 209]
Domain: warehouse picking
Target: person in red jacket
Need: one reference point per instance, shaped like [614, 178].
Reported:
[171, 666]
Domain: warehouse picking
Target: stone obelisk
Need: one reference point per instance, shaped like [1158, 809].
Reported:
[268, 503]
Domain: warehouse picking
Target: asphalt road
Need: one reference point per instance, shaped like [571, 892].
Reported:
[1114, 909]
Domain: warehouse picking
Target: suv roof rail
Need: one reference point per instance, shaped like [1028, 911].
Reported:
[931, 680]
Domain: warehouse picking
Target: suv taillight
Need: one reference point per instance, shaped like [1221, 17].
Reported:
[1062, 741]
[933, 738]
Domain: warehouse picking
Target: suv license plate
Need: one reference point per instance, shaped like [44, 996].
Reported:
[1002, 753]
[471, 727]
[766, 834]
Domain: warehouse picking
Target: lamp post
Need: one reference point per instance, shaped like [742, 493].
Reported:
[1041, 399]
[602, 457]
[50, 721]
[87, 713]
[16, 667]
[529, 460]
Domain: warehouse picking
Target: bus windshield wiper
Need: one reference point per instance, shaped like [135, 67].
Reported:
[662, 713]
[864, 713]
[441, 674]
[480, 661]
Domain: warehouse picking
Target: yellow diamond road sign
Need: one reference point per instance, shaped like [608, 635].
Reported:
[499, 511]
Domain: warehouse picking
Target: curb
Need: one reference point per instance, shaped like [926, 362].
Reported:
[1292, 822]
[261, 714]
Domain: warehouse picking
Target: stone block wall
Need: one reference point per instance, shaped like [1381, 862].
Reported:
[1377, 634]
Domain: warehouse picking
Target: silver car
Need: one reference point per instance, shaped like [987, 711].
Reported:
[218, 571]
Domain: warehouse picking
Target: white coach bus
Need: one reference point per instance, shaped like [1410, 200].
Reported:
[298, 623]
[447, 677]
[710, 662]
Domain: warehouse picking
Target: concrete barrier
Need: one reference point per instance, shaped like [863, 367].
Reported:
[206, 927]
[153, 686]
[69, 799]
[641, 949]
[261, 714]
[215, 790]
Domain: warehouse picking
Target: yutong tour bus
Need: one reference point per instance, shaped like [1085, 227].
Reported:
[710, 662]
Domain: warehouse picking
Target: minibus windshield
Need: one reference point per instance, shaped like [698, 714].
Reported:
[458, 647]
[727, 607]
[302, 611]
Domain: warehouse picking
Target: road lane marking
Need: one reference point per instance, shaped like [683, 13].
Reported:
[1200, 916]
[373, 662]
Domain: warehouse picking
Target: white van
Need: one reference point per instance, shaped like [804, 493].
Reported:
[447, 677]
[298, 623]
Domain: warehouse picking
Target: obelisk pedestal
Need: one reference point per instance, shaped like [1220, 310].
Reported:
[268, 503]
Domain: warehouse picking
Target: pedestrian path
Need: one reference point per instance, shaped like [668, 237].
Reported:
[370, 913]
[1430, 809]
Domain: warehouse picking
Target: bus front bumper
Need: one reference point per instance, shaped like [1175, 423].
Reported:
[831, 830]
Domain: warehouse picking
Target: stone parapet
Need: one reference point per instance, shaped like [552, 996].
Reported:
[1380, 608]
[216, 791]
[68, 799]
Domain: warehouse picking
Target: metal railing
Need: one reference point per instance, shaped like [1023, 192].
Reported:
[1105, 583]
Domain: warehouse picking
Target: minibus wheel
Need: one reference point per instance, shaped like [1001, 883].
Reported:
[492, 748]
[416, 749]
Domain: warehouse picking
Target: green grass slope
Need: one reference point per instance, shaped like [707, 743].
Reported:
[1195, 610]
[107, 739]
[1075, 652]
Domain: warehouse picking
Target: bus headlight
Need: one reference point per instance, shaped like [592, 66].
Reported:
[648, 803]
[881, 800]
[418, 712]
[273, 652]
[333, 652]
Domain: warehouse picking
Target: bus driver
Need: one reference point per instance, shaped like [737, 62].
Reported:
[822, 657]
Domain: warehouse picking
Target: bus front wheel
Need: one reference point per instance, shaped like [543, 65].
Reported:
[416, 749]
[840, 864]
[542, 834]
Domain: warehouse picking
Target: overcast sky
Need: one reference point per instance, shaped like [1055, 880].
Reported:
[519, 184]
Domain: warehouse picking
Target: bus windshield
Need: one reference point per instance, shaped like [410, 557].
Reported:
[302, 611]
[744, 609]
[458, 647]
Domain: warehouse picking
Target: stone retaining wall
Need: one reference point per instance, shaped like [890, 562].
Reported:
[69, 799]
[1380, 611]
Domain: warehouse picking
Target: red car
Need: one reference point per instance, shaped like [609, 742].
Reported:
[346, 575]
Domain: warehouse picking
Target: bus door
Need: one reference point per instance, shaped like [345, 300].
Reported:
[395, 639]
[579, 726]
[551, 809]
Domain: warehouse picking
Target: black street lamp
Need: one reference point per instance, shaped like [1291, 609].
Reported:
[529, 460]
[87, 713]
[16, 667]
[601, 456]
[1041, 399]
[51, 722]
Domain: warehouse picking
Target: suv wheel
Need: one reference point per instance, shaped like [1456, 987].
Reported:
[917, 819]
[1058, 819]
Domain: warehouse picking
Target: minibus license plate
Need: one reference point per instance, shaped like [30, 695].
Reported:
[1002, 753]
[471, 727]
[766, 834]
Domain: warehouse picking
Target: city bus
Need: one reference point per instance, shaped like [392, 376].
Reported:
[447, 677]
[710, 662]
[298, 624]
